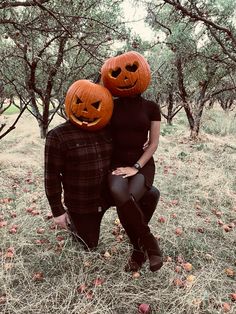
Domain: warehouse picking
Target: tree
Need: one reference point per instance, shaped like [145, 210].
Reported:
[201, 52]
[50, 44]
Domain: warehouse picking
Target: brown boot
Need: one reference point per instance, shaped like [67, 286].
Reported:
[132, 219]
[150, 245]
[136, 261]
[147, 204]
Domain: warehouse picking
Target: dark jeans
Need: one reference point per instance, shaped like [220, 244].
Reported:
[86, 227]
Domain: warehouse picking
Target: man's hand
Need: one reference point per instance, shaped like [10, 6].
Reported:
[146, 144]
[62, 221]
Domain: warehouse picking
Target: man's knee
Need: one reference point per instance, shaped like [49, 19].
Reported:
[89, 242]
[85, 229]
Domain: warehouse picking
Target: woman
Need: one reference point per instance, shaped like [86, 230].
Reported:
[134, 120]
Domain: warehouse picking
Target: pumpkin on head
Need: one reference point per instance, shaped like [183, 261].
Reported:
[88, 105]
[127, 74]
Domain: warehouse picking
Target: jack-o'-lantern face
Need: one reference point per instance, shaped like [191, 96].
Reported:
[127, 74]
[88, 105]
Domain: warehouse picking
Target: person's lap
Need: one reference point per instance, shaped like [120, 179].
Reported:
[122, 188]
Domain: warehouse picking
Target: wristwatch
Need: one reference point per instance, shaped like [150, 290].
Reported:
[137, 166]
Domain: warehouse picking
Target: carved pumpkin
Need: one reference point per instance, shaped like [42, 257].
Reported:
[88, 105]
[127, 74]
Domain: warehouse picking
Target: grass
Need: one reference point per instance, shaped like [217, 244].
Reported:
[11, 110]
[44, 271]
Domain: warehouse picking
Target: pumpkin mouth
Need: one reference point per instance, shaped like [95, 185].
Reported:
[86, 120]
[128, 86]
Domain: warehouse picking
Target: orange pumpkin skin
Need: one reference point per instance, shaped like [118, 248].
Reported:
[88, 105]
[127, 74]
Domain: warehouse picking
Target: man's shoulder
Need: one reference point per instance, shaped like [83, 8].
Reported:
[63, 127]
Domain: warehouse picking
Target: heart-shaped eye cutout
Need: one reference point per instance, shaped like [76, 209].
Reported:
[115, 73]
[132, 67]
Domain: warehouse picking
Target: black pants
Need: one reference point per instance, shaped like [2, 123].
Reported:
[122, 188]
[126, 193]
[86, 227]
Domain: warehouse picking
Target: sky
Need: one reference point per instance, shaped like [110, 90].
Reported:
[137, 13]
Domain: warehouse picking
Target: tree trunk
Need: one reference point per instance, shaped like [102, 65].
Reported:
[190, 117]
[43, 129]
[170, 108]
[197, 122]
[183, 92]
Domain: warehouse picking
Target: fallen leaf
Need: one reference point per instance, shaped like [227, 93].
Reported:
[82, 288]
[226, 307]
[178, 269]
[229, 272]
[162, 219]
[38, 276]
[144, 308]
[187, 266]
[8, 266]
[98, 282]
[179, 282]
[136, 275]
[233, 296]
[3, 223]
[178, 231]
[107, 255]
[3, 299]
[191, 278]
[40, 230]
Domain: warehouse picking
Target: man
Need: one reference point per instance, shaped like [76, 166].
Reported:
[77, 163]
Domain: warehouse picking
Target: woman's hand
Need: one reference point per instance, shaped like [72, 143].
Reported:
[125, 172]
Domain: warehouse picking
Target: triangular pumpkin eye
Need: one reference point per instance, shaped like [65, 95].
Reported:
[115, 73]
[78, 101]
[132, 68]
[96, 104]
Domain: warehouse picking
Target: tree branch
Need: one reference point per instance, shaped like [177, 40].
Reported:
[198, 17]
[7, 4]
[65, 28]
[13, 126]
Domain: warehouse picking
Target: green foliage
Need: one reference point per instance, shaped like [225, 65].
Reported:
[182, 156]
[168, 129]
[11, 110]
[222, 124]
[193, 58]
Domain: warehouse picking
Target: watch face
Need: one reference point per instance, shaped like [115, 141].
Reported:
[137, 166]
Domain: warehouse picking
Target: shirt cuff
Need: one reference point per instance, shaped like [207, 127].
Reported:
[57, 210]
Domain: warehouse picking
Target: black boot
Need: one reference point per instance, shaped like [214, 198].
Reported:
[132, 219]
[150, 246]
[147, 204]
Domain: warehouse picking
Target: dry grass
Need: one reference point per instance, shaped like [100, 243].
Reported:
[42, 269]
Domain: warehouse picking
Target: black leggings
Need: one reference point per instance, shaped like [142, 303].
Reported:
[122, 188]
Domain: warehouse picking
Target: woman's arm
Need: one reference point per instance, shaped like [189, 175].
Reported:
[154, 135]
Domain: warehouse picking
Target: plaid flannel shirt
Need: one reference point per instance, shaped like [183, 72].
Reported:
[76, 166]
